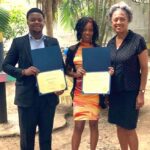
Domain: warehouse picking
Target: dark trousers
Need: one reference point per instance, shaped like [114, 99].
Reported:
[41, 114]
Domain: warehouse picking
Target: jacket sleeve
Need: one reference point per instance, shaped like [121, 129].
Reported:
[69, 61]
[10, 61]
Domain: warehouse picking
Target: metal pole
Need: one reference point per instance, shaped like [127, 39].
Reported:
[3, 109]
[1, 51]
[148, 40]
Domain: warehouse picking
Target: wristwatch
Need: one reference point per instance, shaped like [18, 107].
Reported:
[142, 91]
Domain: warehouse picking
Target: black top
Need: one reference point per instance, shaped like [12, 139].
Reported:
[126, 63]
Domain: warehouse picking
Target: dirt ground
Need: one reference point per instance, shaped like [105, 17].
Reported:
[107, 133]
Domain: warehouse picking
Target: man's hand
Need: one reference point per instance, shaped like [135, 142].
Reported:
[111, 70]
[30, 71]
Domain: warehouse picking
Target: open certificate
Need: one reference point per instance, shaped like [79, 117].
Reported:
[50, 63]
[96, 62]
[96, 82]
[51, 81]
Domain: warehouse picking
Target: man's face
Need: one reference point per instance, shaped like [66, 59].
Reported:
[35, 22]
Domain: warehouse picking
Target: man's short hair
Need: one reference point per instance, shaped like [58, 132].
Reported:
[35, 10]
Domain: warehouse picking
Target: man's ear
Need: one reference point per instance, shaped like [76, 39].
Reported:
[27, 22]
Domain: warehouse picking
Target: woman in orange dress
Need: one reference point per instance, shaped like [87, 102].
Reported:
[85, 107]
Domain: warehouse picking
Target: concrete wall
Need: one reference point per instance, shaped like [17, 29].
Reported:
[141, 18]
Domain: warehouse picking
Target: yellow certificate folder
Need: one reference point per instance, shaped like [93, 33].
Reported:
[96, 83]
[51, 81]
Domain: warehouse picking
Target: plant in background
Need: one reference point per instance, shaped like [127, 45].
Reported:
[71, 10]
[49, 8]
[4, 19]
[101, 8]
[17, 24]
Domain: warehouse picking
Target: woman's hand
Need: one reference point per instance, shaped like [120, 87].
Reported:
[107, 100]
[111, 70]
[140, 100]
[59, 92]
[80, 72]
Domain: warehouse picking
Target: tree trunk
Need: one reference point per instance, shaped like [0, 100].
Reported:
[47, 9]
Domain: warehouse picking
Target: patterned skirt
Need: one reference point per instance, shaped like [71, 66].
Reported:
[85, 106]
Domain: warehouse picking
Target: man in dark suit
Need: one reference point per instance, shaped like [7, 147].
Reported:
[33, 109]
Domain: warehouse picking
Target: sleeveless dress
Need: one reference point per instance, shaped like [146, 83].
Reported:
[85, 106]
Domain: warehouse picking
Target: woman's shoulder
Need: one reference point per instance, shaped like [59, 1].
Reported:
[135, 35]
[73, 47]
[111, 41]
[96, 45]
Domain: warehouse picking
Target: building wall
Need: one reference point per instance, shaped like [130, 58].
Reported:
[141, 19]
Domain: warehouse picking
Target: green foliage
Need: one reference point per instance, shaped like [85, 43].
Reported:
[4, 19]
[72, 10]
[17, 24]
[101, 17]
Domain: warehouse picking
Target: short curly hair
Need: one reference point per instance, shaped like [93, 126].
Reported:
[80, 25]
[123, 6]
[34, 10]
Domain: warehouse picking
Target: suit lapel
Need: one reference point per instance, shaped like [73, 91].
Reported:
[28, 48]
[46, 41]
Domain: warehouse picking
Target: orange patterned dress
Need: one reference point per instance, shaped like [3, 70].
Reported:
[85, 106]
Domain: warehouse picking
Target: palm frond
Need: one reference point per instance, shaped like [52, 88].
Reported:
[72, 10]
[4, 19]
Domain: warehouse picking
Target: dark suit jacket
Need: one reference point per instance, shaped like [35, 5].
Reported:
[20, 54]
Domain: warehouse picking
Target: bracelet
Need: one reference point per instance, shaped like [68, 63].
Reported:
[142, 91]
[23, 72]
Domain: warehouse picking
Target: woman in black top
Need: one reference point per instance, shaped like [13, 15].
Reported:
[130, 61]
